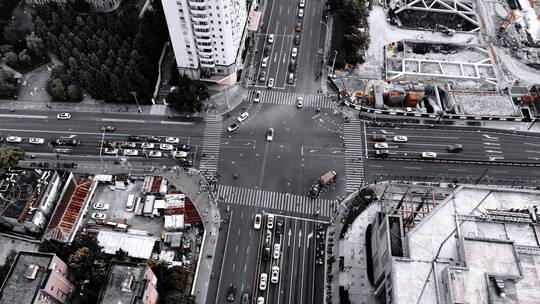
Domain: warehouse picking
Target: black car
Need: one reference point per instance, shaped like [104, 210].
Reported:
[292, 66]
[262, 76]
[231, 293]
[184, 147]
[266, 253]
[267, 50]
[66, 142]
[137, 138]
[108, 128]
[296, 39]
[154, 139]
[279, 226]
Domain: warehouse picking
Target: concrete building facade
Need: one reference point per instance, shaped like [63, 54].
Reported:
[207, 37]
[477, 244]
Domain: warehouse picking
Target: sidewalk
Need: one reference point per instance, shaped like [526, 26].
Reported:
[353, 278]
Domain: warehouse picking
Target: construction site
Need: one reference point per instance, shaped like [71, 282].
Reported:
[452, 243]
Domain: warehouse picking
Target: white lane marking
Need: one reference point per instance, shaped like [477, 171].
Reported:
[458, 170]
[499, 171]
[532, 151]
[24, 116]
[165, 122]
[376, 166]
[123, 120]
[413, 168]
[419, 144]
[532, 144]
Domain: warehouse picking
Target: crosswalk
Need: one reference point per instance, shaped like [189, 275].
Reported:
[277, 201]
[353, 134]
[290, 99]
[211, 144]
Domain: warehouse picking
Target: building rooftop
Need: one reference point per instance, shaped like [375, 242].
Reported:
[68, 213]
[137, 246]
[33, 276]
[129, 283]
[478, 245]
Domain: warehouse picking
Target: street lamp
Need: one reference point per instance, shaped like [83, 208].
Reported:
[137, 101]
[334, 62]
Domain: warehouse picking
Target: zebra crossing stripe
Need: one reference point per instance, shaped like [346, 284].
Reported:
[354, 158]
[287, 98]
[275, 200]
[211, 144]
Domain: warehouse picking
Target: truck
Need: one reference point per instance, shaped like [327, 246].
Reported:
[322, 182]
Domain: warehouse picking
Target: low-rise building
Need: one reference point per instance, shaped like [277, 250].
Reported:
[476, 244]
[129, 283]
[36, 278]
[28, 199]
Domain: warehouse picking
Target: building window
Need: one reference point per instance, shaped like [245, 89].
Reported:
[219, 22]
[221, 36]
[223, 50]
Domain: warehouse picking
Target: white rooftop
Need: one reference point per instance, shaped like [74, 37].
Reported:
[137, 246]
[457, 250]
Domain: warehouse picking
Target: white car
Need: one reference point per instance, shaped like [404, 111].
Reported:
[275, 275]
[429, 155]
[146, 145]
[271, 38]
[302, 3]
[166, 147]
[300, 13]
[98, 216]
[232, 128]
[14, 139]
[172, 140]
[277, 251]
[260, 300]
[270, 134]
[36, 141]
[400, 138]
[131, 152]
[101, 206]
[381, 145]
[180, 154]
[243, 117]
[264, 62]
[257, 221]
[110, 151]
[294, 52]
[270, 221]
[300, 102]
[257, 96]
[63, 116]
[263, 281]
[154, 154]
[271, 82]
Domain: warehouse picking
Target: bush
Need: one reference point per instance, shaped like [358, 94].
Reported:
[8, 84]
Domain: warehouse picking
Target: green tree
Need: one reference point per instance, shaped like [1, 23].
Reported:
[74, 93]
[13, 35]
[8, 87]
[35, 45]
[12, 58]
[24, 58]
[9, 157]
[57, 90]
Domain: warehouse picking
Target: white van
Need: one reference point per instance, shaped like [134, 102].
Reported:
[130, 204]
[302, 3]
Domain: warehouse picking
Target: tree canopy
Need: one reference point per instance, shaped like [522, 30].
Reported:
[108, 55]
[189, 95]
[8, 84]
[9, 157]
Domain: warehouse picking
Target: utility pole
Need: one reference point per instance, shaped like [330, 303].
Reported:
[136, 100]
[481, 176]
[534, 121]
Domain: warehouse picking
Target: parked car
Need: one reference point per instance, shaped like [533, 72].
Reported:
[146, 145]
[270, 221]
[292, 65]
[130, 152]
[294, 52]
[296, 39]
[98, 216]
[63, 116]
[110, 151]
[264, 62]
[166, 147]
[129, 145]
[279, 226]
[262, 76]
[232, 128]
[267, 51]
[263, 281]
[381, 145]
[101, 206]
[298, 27]
[271, 82]
[271, 38]
[301, 13]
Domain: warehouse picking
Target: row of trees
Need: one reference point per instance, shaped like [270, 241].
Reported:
[107, 55]
[354, 41]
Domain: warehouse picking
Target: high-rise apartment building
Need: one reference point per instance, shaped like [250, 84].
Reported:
[207, 37]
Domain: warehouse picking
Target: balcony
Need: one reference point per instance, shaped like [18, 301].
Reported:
[197, 9]
[201, 26]
[199, 18]
[203, 38]
[197, 2]
[207, 63]
[204, 51]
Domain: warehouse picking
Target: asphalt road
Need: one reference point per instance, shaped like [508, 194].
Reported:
[477, 145]
[280, 19]
[305, 146]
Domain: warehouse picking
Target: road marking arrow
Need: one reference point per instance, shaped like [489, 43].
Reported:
[310, 235]
[289, 241]
[299, 238]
